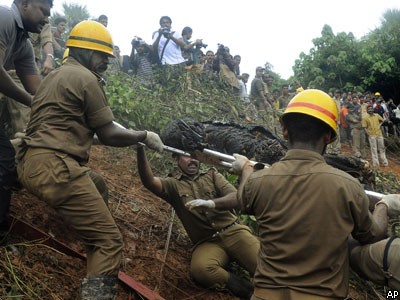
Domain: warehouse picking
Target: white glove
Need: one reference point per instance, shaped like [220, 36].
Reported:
[153, 141]
[200, 203]
[392, 201]
[239, 163]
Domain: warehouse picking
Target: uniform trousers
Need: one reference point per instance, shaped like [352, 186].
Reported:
[286, 294]
[367, 260]
[211, 258]
[61, 182]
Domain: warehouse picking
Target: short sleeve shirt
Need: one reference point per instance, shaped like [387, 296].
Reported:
[257, 86]
[200, 224]
[68, 107]
[38, 40]
[306, 210]
[172, 53]
[372, 124]
[14, 42]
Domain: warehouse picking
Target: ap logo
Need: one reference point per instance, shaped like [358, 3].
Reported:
[392, 294]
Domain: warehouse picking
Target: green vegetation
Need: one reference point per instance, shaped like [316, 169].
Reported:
[196, 96]
[342, 62]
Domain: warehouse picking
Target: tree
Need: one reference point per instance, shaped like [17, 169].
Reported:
[74, 13]
[380, 54]
[331, 64]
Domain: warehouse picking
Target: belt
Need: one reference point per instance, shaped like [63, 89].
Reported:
[225, 228]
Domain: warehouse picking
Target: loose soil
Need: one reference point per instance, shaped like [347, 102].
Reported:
[31, 270]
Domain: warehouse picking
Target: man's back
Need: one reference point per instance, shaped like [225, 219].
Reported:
[306, 210]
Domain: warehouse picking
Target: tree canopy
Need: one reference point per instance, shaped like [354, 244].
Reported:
[342, 62]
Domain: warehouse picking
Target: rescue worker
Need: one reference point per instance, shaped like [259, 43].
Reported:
[217, 236]
[380, 262]
[306, 209]
[69, 108]
[16, 52]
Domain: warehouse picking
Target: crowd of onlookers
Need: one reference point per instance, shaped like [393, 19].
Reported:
[365, 119]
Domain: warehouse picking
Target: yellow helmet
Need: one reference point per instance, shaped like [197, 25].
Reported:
[65, 55]
[377, 94]
[300, 89]
[91, 35]
[317, 104]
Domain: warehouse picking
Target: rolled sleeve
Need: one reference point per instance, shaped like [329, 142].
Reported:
[101, 117]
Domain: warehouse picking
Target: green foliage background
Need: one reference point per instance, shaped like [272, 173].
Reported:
[342, 62]
[198, 96]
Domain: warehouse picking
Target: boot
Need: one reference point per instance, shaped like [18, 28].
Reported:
[239, 287]
[99, 288]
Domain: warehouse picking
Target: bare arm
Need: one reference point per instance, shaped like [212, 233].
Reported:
[56, 45]
[178, 41]
[157, 41]
[191, 45]
[227, 202]
[113, 135]
[152, 183]
[246, 172]
[48, 62]
[9, 88]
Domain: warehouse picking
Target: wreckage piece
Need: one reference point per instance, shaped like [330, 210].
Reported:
[253, 141]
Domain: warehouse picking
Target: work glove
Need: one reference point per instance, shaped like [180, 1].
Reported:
[200, 203]
[392, 201]
[239, 163]
[153, 141]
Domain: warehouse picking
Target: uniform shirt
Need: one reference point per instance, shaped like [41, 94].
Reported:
[257, 86]
[38, 40]
[284, 100]
[14, 42]
[200, 224]
[372, 124]
[306, 210]
[67, 108]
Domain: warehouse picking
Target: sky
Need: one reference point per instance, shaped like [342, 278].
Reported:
[259, 30]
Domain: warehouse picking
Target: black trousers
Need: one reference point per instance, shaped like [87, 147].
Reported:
[7, 177]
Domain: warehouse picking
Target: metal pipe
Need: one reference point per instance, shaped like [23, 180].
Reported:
[226, 160]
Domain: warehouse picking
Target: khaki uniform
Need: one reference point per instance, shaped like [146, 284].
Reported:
[305, 210]
[359, 139]
[284, 100]
[217, 236]
[367, 261]
[19, 113]
[257, 86]
[68, 107]
[18, 55]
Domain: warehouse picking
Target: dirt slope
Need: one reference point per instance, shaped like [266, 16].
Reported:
[38, 272]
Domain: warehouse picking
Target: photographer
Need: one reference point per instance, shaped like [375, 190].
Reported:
[168, 43]
[141, 60]
[224, 64]
[190, 51]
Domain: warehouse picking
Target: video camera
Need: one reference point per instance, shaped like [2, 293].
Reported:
[221, 49]
[137, 41]
[165, 31]
[202, 45]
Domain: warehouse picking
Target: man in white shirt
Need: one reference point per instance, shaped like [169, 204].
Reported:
[168, 43]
